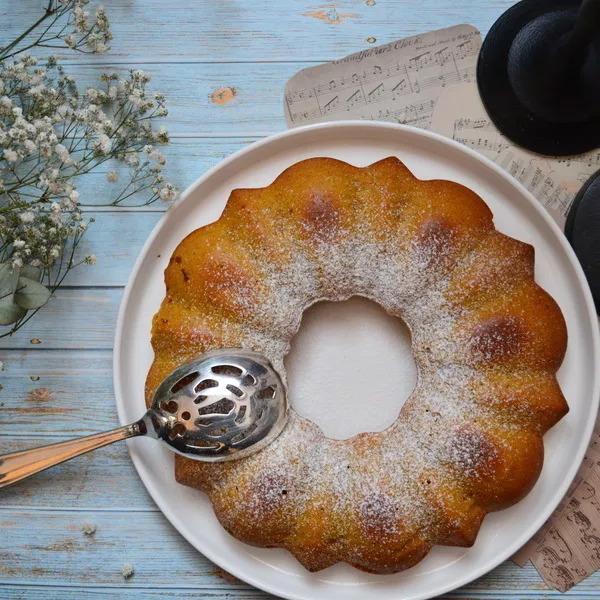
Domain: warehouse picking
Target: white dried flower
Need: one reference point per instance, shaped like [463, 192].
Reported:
[158, 157]
[65, 134]
[63, 154]
[29, 146]
[27, 217]
[168, 193]
[91, 259]
[132, 159]
[162, 135]
[103, 144]
[10, 155]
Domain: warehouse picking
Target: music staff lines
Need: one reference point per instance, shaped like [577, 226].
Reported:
[350, 97]
[439, 58]
[430, 69]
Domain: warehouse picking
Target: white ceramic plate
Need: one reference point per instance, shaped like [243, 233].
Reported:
[516, 213]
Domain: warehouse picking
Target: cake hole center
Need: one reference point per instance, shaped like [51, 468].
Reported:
[351, 367]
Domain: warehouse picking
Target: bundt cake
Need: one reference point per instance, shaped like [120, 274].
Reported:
[487, 341]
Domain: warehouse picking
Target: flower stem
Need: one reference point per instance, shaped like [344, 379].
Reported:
[3, 53]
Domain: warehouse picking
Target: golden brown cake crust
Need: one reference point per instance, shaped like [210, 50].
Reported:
[487, 341]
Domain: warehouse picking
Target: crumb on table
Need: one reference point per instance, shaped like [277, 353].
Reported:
[89, 528]
[127, 570]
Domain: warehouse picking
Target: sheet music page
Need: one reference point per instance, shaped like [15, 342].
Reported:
[460, 115]
[400, 81]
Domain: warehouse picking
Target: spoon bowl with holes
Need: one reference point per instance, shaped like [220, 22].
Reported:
[224, 405]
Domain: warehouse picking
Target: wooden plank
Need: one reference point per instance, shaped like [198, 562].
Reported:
[73, 318]
[187, 159]
[48, 547]
[101, 479]
[130, 592]
[271, 31]
[255, 108]
[115, 238]
[117, 235]
[56, 393]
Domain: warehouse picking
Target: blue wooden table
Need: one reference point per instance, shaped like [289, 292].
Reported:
[245, 52]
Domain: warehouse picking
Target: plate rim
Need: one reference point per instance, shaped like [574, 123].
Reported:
[541, 517]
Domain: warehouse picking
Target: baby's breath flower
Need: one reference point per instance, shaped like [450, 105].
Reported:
[161, 135]
[168, 193]
[10, 155]
[132, 159]
[50, 134]
[29, 146]
[27, 217]
[159, 157]
[103, 144]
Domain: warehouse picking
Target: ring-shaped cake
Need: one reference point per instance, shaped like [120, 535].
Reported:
[487, 342]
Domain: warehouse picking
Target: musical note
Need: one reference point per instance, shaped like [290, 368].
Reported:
[355, 98]
[465, 49]
[399, 88]
[375, 93]
[331, 104]
[442, 56]
[420, 61]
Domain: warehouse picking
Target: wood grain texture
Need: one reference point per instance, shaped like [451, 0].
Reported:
[282, 30]
[102, 479]
[56, 394]
[222, 65]
[79, 318]
[40, 547]
[256, 109]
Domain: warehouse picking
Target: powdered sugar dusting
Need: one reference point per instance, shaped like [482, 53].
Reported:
[385, 486]
[382, 484]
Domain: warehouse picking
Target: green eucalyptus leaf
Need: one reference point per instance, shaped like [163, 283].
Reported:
[31, 294]
[31, 272]
[9, 275]
[9, 311]
[5, 271]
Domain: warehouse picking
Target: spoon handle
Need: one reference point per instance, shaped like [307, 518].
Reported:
[20, 465]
